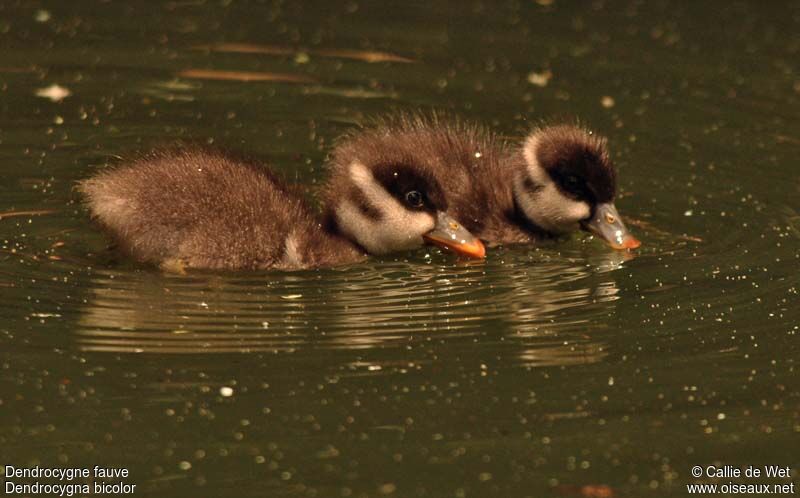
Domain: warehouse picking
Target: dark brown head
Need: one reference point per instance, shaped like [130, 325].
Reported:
[385, 196]
[568, 182]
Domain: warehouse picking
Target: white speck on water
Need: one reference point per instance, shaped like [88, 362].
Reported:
[42, 16]
[611, 381]
[540, 79]
[387, 489]
[55, 93]
[688, 212]
[184, 465]
[478, 155]
[226, 391]
[292, 296]
[607, 102]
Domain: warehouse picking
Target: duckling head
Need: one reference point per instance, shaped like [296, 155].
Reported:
[394, 205]
[568, 182]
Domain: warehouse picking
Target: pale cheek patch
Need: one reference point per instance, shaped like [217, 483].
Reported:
[547, 208]
[529, 151]
[397, 229]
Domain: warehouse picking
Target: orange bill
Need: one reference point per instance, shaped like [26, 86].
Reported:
[451, 235]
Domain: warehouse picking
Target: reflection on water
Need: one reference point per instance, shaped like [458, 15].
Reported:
[382, 304]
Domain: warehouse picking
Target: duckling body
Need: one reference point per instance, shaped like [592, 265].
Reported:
[192, 207]
[202, 208]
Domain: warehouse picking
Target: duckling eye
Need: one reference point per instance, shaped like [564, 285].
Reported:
[572, 181]
[414, 198]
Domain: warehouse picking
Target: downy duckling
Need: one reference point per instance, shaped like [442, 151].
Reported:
[468, 161]
[201, 208]
[560, 179]
[564, 180]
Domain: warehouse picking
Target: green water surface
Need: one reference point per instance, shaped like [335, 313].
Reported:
[563, 370]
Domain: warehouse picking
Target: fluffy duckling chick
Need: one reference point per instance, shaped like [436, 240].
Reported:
[198, 208]
[564, 180]
[559, 180]
[466, 160]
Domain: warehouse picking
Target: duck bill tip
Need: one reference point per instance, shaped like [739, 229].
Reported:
[629, 242]
[607, 224]
[471, 248]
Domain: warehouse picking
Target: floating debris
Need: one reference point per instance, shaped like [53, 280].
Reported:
[649, 227]
[246, 48]
[167, 96]
[364, 55]
[785, 139]
[350, 93]
[607, 102]
[226, 391]
[244, 76]
[56, 93]
[34, 212]
[540, 79]
[301, 55]
[175, 85]
[173, 90]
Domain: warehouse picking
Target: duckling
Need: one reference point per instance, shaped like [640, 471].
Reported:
[468, 161]
[201, 208]
[564, 180]
[559, 180]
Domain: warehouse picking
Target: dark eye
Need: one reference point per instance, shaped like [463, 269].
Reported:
[414, 198]
[572, 181]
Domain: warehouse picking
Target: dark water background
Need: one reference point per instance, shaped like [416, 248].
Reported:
[565, 370]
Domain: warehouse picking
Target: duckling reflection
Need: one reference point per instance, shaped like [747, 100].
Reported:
[200, 208]
[554, 307]
[148, 313]
[534, 314]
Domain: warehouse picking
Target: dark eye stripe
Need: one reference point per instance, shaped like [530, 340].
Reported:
[363, 205]
[399, 179]
[571, 185]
